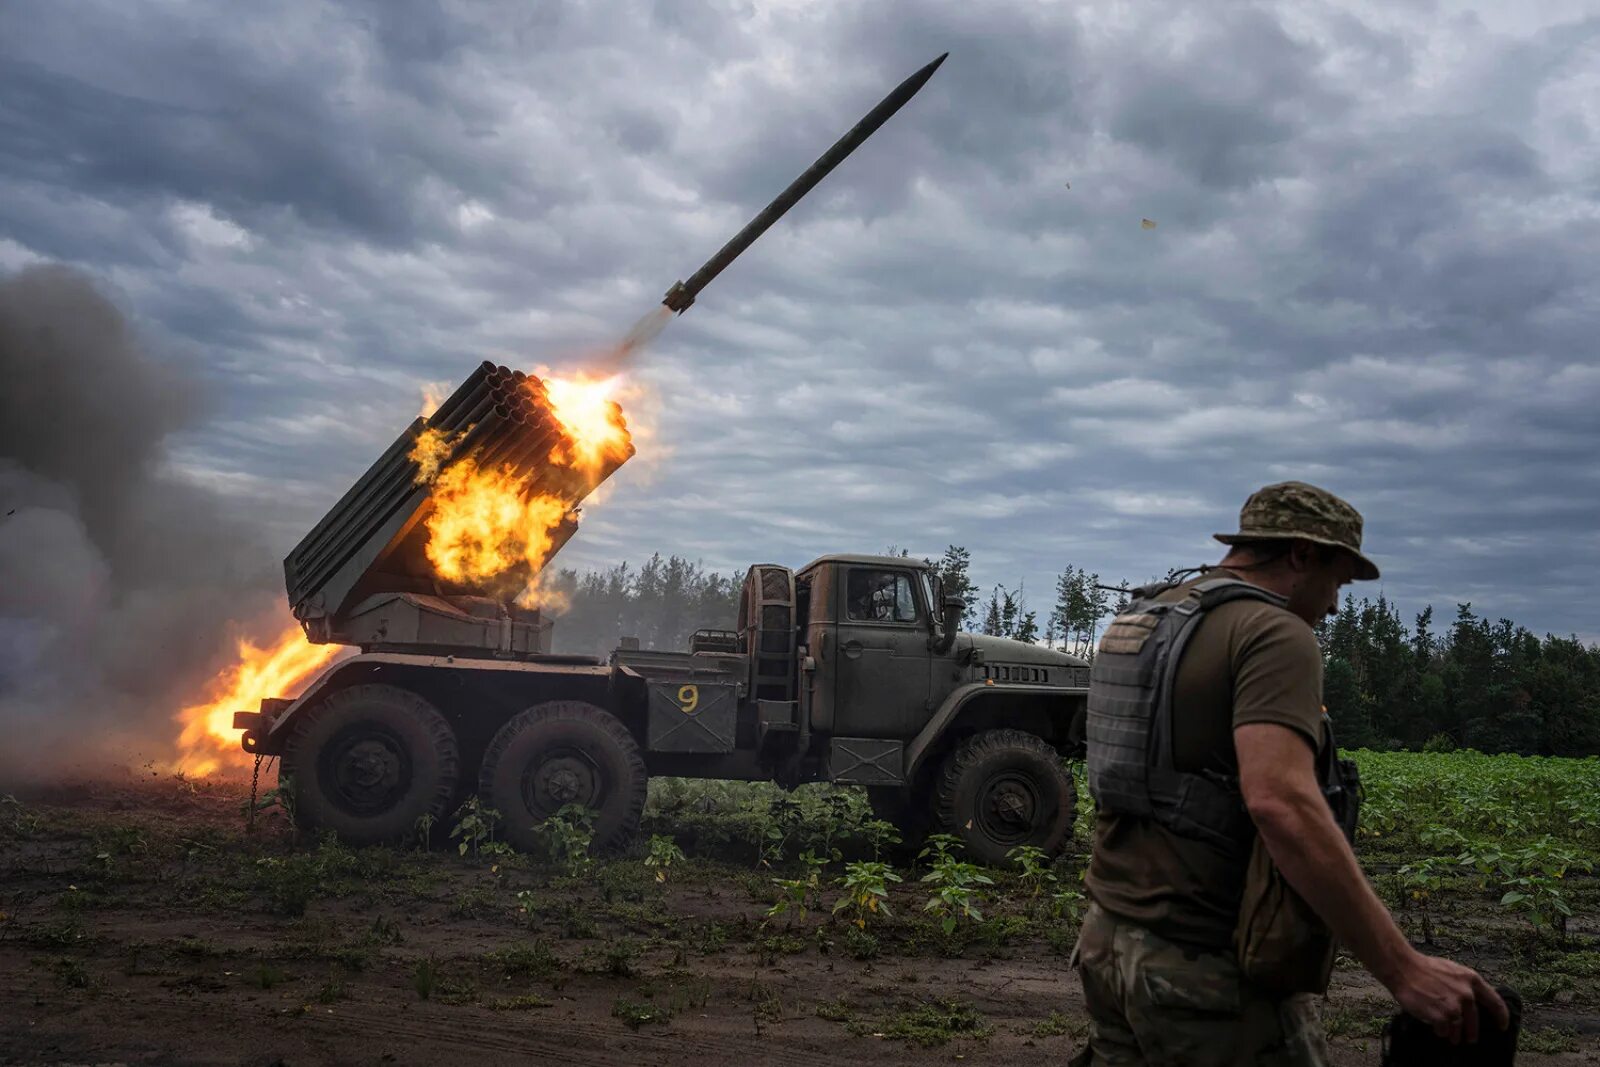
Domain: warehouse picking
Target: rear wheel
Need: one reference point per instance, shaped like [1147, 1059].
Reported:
[1004, 788]
[368, 762]
[565, 752]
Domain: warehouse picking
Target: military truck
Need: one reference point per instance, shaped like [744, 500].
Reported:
[849, 670]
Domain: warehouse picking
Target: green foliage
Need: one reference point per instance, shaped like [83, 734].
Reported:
[799, 895]
[1057, 1024]
[1493, 687]
[956, 889]
[533, 959]
[1033, 869]
[636, 1013]
[664, 855]
[567, 835]
[1008, 616]
[1074, 620]
[521, 1002]
[1068, 903]
[936, 1023]
[425, 977]
[866, 891]
[1419, 884]
[474, 826]
[661, 603]
[860, 944]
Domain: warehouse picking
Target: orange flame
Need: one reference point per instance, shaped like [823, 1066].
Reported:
[593, 421]
[209, 742]
[481, 524]
[484, 521]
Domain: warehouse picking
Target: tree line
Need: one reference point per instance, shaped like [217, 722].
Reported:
[1493, 686]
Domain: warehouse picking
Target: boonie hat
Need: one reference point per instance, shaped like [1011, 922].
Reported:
[1288, 510]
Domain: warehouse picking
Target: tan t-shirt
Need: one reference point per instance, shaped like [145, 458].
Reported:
[1247, 661]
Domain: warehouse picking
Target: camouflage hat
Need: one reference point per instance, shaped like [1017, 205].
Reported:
[1297, 510]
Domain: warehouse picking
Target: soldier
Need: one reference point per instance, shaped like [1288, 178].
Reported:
[1208, 743]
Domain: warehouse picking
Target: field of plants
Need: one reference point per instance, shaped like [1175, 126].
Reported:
[150, 921]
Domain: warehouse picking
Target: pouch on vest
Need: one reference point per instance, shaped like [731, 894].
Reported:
[1283, 945]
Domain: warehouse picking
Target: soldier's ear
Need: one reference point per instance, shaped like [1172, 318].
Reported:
[1303, 555]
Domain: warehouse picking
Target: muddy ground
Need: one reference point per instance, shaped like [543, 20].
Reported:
[141, 922]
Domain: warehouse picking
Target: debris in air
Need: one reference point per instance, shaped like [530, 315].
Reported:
[1147, 224]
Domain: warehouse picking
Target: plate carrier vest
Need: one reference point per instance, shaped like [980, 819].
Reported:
[1130, 764]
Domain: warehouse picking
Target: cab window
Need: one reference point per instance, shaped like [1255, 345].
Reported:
[879, 596]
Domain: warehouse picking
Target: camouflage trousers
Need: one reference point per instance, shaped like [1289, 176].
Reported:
[1152, 1002]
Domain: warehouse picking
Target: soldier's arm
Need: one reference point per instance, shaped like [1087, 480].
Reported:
[1277, 774]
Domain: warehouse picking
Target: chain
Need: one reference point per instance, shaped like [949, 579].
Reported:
[255, 781]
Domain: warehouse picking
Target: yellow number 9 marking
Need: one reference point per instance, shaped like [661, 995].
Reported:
[689, 698]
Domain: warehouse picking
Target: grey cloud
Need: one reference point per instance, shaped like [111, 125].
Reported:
[1371, 266]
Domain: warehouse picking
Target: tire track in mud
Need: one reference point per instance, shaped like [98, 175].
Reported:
[602, 1044]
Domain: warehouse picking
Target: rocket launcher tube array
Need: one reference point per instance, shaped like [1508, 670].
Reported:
[498, 417]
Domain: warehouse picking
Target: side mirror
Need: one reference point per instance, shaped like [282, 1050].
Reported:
[954, 608]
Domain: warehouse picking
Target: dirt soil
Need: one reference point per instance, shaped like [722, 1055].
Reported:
[140, 922]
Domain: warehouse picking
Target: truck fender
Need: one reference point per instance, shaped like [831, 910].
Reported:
[921, 745]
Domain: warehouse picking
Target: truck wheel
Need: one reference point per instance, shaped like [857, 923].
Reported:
[367, 762]
[1004, 788]
[565, 752]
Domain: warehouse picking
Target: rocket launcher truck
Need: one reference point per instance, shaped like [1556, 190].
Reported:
[851, 669]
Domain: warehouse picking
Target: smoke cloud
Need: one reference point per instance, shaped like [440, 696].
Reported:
[120, 584]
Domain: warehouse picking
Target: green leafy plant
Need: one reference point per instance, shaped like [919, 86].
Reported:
[939, 846]
[1419, 884]
[636, 1013]
[866, 891]
[1068, 903]
[1033, 869]
[425, 977]
[956, 891]
[664, 855]
[799, 895]
[475, 827]
[422, 829]
[567, 836]
[784, 819]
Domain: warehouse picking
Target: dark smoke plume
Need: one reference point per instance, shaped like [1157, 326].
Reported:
[118, 581]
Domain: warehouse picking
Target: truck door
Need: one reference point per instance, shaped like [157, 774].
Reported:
[882, 670]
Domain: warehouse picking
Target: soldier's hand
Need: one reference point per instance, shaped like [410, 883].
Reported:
[1446, 996]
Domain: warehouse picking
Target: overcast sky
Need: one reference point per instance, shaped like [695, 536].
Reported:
[1373, 265]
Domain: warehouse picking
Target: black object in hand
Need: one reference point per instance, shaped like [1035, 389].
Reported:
[1410, 1042]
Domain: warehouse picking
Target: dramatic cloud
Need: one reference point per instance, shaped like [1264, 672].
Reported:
[1371, 265]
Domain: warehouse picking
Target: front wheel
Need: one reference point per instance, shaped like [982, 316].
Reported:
[1003, 788]
[565, 752]
[368, 762]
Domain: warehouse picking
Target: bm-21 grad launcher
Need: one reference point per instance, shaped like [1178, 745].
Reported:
[851, 669]
[362, 575]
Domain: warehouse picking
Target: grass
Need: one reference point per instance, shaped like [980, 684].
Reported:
[637, 1013]
[1549, 1040]
[520, 1002]
[1057, 1024]
[534, 959]
[935, 1022]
